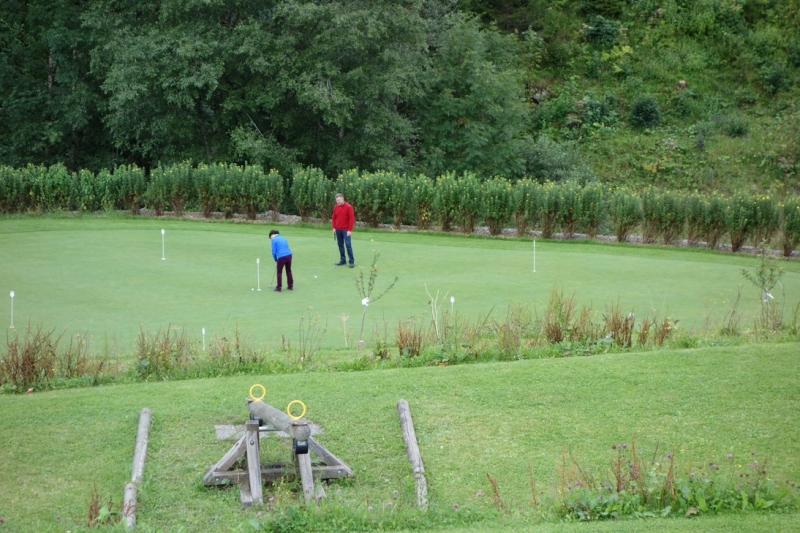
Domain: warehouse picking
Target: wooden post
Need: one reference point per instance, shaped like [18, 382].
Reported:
[412, 450]
[129, 505]
[254, 461]
[140, 451]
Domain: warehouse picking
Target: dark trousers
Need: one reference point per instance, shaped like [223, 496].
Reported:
[343, 240]
[285, 261]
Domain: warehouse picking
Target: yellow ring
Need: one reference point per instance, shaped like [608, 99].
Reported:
[289, 412]
[263, 389]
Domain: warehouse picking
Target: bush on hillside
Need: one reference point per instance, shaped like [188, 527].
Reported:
[644, 112]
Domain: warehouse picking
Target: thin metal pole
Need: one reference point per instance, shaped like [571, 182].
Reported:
[534, 255]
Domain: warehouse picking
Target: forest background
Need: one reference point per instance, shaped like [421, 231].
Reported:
[689, 95]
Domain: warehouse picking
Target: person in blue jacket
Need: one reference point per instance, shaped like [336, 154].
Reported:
[283, 257]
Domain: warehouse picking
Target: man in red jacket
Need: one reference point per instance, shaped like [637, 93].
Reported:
[342, 222]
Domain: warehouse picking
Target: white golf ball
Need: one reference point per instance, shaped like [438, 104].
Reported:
[315, 277]
[252, 289]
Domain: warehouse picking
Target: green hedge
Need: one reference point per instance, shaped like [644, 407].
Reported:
[451, 200]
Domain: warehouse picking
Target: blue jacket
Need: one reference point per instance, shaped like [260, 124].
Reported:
[280, 248]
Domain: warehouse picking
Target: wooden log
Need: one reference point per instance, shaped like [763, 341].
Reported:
[129, 505]
[140, 451]
[412, 451]
[267, 413]
[254, 461]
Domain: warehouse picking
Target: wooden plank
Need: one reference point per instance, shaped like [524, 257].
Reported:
[140, 451]
[306, 475]
[227, 477]
[253, 461]
[227, 461]
[412, 451]
[244, 494]
[329, 459]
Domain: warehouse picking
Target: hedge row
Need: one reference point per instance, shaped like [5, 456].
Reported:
[450, 201]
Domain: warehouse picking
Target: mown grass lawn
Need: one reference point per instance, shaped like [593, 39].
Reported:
[106, 277]
[471, 420]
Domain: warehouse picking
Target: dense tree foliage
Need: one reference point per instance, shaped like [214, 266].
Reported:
[336, 84]
[538, 88]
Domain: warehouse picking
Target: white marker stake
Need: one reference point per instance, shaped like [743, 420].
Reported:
[534, 255]
[452, 301]
[162, 246]
[204, 339]
[258, 272]
[12, 309]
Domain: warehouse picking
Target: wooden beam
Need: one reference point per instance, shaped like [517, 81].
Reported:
[412, 450]
[327, 457]
[272, 473]
[306, 475]
[227, 461]
[140, 450]
[254, 461]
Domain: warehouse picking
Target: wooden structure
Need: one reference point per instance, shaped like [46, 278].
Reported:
[412, 451]
[250, 479]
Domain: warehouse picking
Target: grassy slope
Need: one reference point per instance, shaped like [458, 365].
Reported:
[471, 420]
[106, 277]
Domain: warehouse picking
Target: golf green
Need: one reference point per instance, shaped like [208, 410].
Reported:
[106, 277]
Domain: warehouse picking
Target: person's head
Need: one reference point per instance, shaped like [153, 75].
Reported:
[339, 198]
[272, 233]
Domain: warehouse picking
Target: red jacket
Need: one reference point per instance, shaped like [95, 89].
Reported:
[343, 217]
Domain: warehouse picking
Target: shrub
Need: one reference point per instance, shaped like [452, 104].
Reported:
[88, 195]
[423, 200]
[497, 204]
[525, 197]
[398, 199]
[180, 187]
[715, 225]
[13, 191]
[601, 32]
[157, 190]
[204, 182]
[569, 207]
[158, 355]
[593, 207]
[775, 78]
[733, 126]
[696, 216]
[625, 211]
[226, 182]
[446, 200]
[670, 215]
[739, 219]
[130, 186]
[766, 219]
[306, 181]
[790, 225]
[372, 196]
[468, 208]
[273, 193]
[650, 228]
[644, 112]
[253, 190]
[551, 209]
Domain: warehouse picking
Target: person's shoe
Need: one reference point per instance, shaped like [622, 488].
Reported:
[340, 263]
[277, 289]
[352, 265]
[291, 288]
